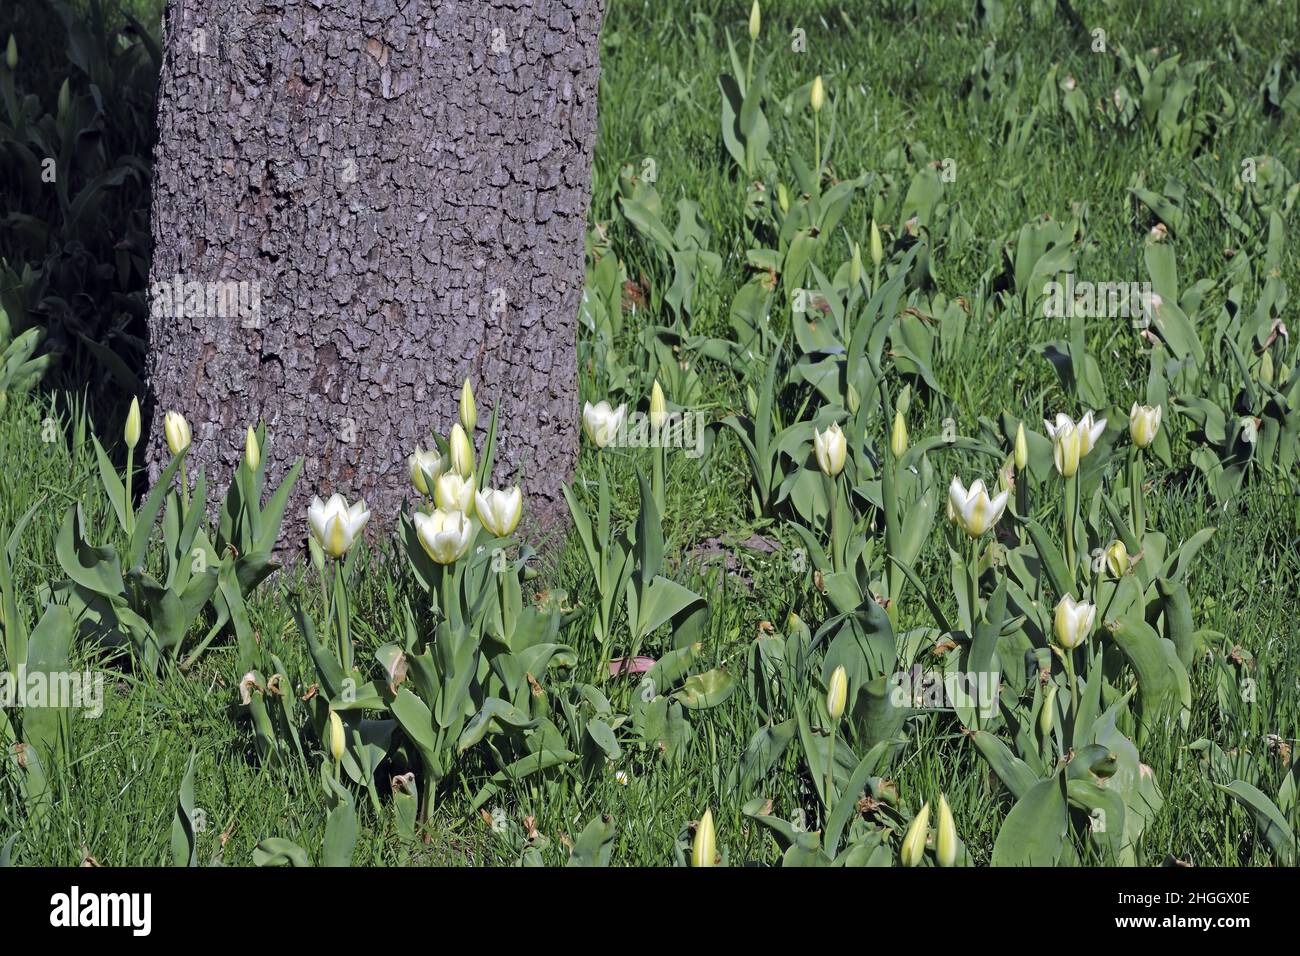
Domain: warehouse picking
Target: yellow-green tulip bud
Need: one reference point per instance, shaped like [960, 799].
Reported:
[755, 21]
[337, 737]
[1047, 716]
[1266, 368]
[817, 96]
[837, 693]
[132, 431]
[1143, 424]
[65, 99]
[831, 448]
[945, 837]
[783, 197]
[658, 406]
[462, 451]
[855, 265]
[898, 436]
[252, 450]
[877, 247]
[11, 54]
[468, 411]
[177, 431]
[704, 848]
[913, 850]
[1117, 559]
[1073, 622]
[1022, 448]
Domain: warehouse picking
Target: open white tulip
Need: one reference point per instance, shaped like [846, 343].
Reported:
[454, 493]
[831, 448]
[1073, 622]
[335, 525]
[602, 423]
[177, 431]
[426, 468]
[1143, 423]
[499, 510]
[1090, 432]
[445, 535]
[972, 509]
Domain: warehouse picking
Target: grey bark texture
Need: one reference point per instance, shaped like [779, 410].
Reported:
[404, 187]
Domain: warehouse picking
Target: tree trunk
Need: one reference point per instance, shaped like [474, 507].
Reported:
[378, 200]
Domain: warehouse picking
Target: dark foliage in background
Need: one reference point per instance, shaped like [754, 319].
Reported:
[76, 142]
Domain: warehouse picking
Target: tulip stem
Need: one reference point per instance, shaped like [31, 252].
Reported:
[1071, 523]
[817, 158]
[830, 770]
[837, 561]
[1136, 476]
[185, 487]
[1022, 501]
[1074, 687]
[128, 505]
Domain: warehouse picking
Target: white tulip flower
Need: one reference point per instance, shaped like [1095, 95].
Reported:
[499, 510]
[973, 510]
[830, 448]
[603, 423]
[1073, 622]
[1143, 423]
[426, 468]
[445, 535]
[335, 525]
[177, 430]
[454, 493]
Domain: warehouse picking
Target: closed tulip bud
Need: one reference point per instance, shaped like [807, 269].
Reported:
[831, 448]
[337, 737]
[837, 693]
[602, 423]
[852, 398]
[783, 197]
[704, 848]
[898, 436]
[499, 511]
[454, 493]
[426, 468]
[817, 96]
[177, 431]
[65, 99]
[972, 509]
[855, 265]
[1073, 622]
[461, 451]
[877, 247]
[335, 524]
[252, 450]
[11, 54]
[1047, 715]
[755, 21]
[945, 837]
[1143, 424]
[132, 430]
[468, 411]
[1022, 448]
[658, 406]
[1266, 368]
[913, 851]
[444, 535]
[1117, 559]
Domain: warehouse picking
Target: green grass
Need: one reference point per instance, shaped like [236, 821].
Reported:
[896, 79]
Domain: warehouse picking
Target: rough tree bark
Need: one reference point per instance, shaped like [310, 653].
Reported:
[404, 188]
